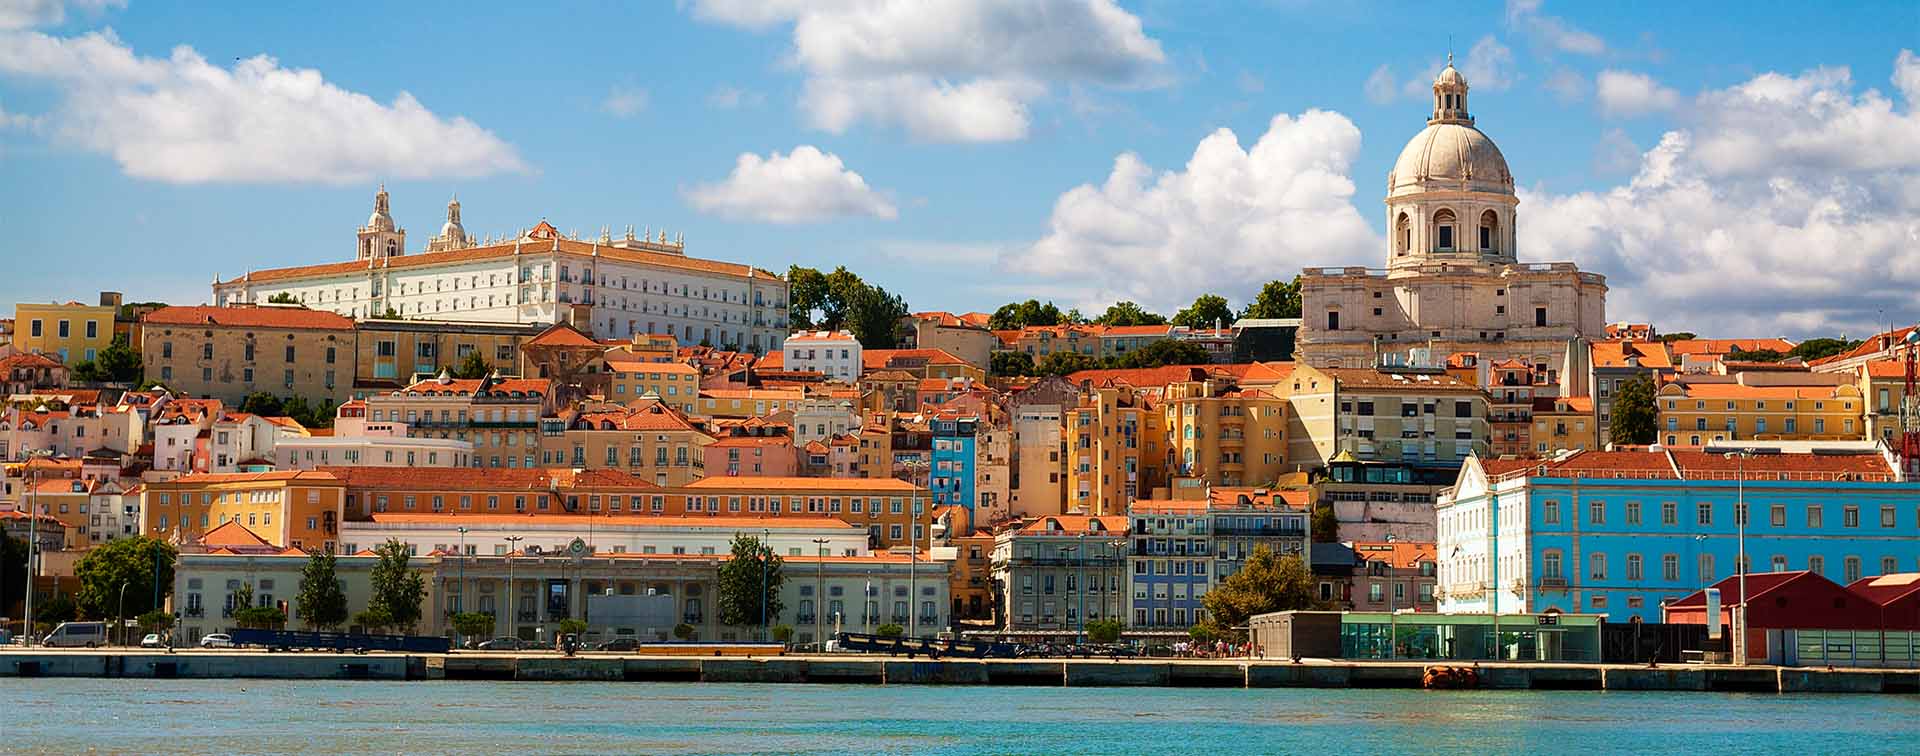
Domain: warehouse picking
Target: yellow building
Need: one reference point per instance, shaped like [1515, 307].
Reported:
[391, 353]
[1883, 387]
[227, 353]
[1116, 448]
[675, 383]
[650, 441]
[745, 403]
[1564, 423]
[1417, 416]
[1697, 414]
[70, 331]
[1227, 435]
[298, 509]
[501, 418]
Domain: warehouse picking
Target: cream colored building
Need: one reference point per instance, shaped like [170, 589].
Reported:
[501, 418]
[393, 352]
[228, 353]
[1453, 281]
[613, 288]
[1226, 435]
[650, 440]
[1422, 417]
[675, 383]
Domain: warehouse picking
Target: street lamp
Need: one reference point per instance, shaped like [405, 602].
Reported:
[462, 594]
[513, 605]
[120, 613]
[765, 555]
[32, 479]
[1740, 562]
[819, 590]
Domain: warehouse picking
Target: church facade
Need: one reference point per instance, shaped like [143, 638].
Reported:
[1453, 282]
[611, 287]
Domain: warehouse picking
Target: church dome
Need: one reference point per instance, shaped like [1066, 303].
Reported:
[1453, 156]
[379, 221]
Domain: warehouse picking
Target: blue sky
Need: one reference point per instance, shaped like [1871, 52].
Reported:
[1740, 169]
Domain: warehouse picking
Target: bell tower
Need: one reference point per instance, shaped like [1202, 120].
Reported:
[380, 238]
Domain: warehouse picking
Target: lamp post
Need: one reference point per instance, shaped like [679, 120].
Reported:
[1740, 561]
[1080, 580]
[32, 479]
[765, 555]
[120, 613]
[913, 553]
[513, 605]
[462, 593]
[819, 590]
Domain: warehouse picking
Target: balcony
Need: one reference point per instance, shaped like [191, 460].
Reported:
[1272, 532]
[691, 619]
[805, 619]
[196, 612]
[529, 616]
[900, 619]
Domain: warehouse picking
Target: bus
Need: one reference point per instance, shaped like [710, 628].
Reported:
[72, 634]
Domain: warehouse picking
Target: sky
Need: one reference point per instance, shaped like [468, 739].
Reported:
[1734, 169]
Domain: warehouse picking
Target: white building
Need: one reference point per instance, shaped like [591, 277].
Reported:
[307, 453]
[613, 288]
[1453, 281]
[612, 534]
[822, 418]
[834, 354]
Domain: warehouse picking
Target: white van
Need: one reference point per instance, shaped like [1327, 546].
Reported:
[73, 634]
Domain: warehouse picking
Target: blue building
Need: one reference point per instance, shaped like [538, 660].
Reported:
[1620, 532]
[954, 457]
[1182, 547]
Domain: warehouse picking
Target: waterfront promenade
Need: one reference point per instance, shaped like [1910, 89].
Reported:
[880, 670]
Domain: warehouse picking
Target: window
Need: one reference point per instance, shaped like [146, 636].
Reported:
[1597, 512]
[1443, 230]
[1634, 567]
[1817, 565]
[1551, 514]
[1850, 518]
[1669, 513]
[1670, 568]
[1333, 320]
[1550, 565]
[1777, 515]
[1633, 513]
[1706, 568]
[1814, 516]
[1706, 513]
[1886, 517]
[1852, 569]
[1540, 316]
[1597, 566]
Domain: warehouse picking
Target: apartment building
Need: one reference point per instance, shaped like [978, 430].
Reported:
[1115, 450]
[1414, 415]
[392, 353]
[1564, 423]
[1061, 571]
[1393, 576]
[1227, 435]
[834, 354]
[1184, 546]
[1696, 413]
[649, 440]
[964, 336]
[228, 353]
[675, 383]
[1616, 362]
[289, 509]
[68, 331]
[500, 417]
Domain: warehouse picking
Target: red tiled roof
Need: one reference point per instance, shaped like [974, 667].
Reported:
[233, 534]
[561, 334]
[646, 415]
[1650, 354]
[1697, 464]
[508, 249]
[771, 483]
[27, 360]
[734, 521]
[1719, 347]
[317, 477]
[1758, 584]
[249, 317]
[466, 386]
[1140, 377]
[488, 478]
[1074, 524]
[1884, 590]
[1404, 555]
[875, 359]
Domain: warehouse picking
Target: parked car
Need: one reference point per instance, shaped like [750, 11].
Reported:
[72, 634]
[216, 640]
[627, 645]
[153, 640]
[504, 643]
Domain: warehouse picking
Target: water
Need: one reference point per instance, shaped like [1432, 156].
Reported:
[264, 716]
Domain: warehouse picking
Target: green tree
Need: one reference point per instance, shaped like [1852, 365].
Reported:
[373, 621]
[85, 371]
[1011, 363]
[156, 621]
[1164, 352]
[1755, 355]
[1073, 317]
[806, 293]
[873, 315]
[1634, 418]
[1326, 525]
[1678, 336]
[474, 366]
[55, 610]
[321, 604]
[397, 591]
[245, 614]
[745, 587]
[1204, 632]
[890, 630]
[1104, 630]
[390, 314]
[782, 633]
[1128, 314]
[572, 626]
[263, 404]
[472, 624]
[1266, 583]
[1813, 349]
[283, 298]
[1278, 299]
[1023, 314]
[1205, 312]
[685, 632]
[1063, 363]
[127, 561]
[119, 363]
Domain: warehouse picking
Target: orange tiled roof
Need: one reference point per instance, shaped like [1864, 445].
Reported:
[735, 521]
[27, 360]
[316, 477]
[1074, 524]
[647, 415]
[1141, 377]
[508, 249]
[1886, 369]
[1404, 555]
[467, 386]
[249, 317]
[232, 534]
[875, 359]
[1552, 404]
[561, 334]
[487, 478]
[1135, 330]
[1742, 391]
[770, 483]
[1718, 347]
[1613, 354]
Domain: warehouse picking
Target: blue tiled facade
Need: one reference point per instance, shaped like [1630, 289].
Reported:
[1180, 552]
[954, 457]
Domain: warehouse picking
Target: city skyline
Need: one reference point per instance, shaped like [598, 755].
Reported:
[966, 155]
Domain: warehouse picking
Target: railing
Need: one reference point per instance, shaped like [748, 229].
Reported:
[1281, 532]
[196, 612]
[529, 616]
[691, 619]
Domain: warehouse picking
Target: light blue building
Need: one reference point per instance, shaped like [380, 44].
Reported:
[1182, 547]
[954, 458]
[1618, 533]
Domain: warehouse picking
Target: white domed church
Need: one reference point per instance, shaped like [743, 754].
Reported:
[1453, 280]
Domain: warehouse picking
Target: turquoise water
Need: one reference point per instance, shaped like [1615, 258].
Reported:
[260, 716]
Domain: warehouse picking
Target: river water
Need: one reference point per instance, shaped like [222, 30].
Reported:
[265, 716]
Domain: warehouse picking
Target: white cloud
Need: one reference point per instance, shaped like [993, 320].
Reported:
[1567, 85]
[1488, 66]
[1381, 86]
[624, 101]
[29, 14]
[948, 70]
[1551, 31]
[732, 98]
[1627, 94]
[1230, 221]
[1616, 153]
[1787, 205]
[804, 186]
[1249, 83]
[181, 119]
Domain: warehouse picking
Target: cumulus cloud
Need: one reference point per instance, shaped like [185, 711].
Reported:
[1626, 94]
[1567, 85]
[29, 14]
[624, 101]
[948, 70]
[181, 119]
[1550, 31]
[804, 186]
[1488, 65]
[1231, 220]
[1381, 87]
[1786, 205]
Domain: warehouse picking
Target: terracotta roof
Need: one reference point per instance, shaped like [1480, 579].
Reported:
[316, 477]
[1267, 372]
[876, 359]
[467, 386]
[1742, 391]
[1871, 345]
[508, 249]
[750, 441]
[950, 320]
[1758, 585]
[1698, 464]
[1718, 347]
[813, 336]
[1135, 330]
[573, 520]
[1140, 377]
[1075, 524]
[487, 478]
[27, 360]
[646, 415]
[561, 334]
[1552, 404]
[771, 361]
[1404, 555]
[769, 483]
[1886, 369]
[1613, 354]
[249, 317]
[233, 535]
[1883, 590]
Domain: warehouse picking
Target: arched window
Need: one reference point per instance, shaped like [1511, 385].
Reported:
[392, 247]
[1403, 232]
[366, 248]
[1443, 230]
[1489, 231]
